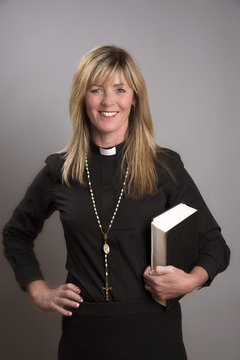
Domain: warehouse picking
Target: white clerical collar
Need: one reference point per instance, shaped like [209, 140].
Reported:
[108, 152]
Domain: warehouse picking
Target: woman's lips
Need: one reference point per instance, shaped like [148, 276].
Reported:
[108, 114]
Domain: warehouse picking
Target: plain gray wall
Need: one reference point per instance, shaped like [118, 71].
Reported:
[189, 54]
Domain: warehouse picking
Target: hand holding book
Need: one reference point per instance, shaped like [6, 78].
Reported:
[168, 282]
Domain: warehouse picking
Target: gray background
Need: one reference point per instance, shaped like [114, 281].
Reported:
[189, 54]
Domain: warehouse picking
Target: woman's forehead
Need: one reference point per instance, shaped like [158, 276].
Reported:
[110, 77]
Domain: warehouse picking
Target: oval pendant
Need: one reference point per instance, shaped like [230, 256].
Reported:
[106, 249]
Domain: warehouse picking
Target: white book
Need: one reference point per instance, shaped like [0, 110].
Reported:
[174, 240]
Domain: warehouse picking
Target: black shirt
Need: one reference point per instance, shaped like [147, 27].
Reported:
[129, 237]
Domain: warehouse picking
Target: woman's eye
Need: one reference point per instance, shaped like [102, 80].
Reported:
[121, 90]
[95, 91]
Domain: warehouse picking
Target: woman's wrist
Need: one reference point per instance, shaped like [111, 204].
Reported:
[34, 288]
[197, 277]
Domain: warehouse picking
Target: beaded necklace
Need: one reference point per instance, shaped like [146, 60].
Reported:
[106, 247]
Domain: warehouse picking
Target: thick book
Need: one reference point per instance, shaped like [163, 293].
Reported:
[174, 241]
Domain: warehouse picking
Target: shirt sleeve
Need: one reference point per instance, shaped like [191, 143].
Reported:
[24, 226]
[214, 254]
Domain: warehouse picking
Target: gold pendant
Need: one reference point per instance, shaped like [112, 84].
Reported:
[106, 289]
[106, 248]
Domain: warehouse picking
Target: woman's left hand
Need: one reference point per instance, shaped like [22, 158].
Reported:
[168, 282]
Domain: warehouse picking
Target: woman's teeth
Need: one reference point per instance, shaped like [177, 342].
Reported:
[107, 113]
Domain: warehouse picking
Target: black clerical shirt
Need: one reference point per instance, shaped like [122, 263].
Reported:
[129, 237]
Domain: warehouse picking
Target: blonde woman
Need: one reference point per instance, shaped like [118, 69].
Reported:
[108, 184]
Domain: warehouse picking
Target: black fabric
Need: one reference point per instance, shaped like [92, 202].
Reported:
[140, 330]
[129, 237]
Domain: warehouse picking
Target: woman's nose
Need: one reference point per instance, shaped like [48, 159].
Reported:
[107, 99]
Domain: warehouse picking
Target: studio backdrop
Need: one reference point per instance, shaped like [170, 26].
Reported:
[189, 54]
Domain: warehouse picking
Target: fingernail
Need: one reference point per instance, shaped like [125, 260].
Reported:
[70, 313]
[77, 305]
[81, 300]
[150, 272]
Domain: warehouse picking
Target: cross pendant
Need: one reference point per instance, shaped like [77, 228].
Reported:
[106, 288]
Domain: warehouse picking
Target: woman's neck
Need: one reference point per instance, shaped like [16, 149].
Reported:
[106, 141]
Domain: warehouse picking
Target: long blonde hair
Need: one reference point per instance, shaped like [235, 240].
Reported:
[141, 151]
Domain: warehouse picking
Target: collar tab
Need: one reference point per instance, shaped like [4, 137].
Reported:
[108, 152]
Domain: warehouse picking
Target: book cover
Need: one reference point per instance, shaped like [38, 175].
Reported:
[174, 241]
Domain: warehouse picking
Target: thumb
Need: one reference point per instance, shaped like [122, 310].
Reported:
[161, 270]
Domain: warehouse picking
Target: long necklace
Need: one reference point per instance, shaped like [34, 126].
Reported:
[106, 247]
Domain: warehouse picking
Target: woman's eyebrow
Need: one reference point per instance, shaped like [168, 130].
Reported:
[115, 85]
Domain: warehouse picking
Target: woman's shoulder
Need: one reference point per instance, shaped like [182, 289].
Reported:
[55, 159]
[54, 163]
[169, 157]
[169, 166]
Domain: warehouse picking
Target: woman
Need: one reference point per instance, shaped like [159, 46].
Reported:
[108, 184]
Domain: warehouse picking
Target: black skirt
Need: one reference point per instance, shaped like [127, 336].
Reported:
[142, 330]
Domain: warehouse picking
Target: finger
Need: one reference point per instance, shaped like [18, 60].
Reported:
[68, 303]
[148, 288]
[73, 287]
[149, 280]
[147, 270]
[149, 275]
[69, 294]
[62, 311]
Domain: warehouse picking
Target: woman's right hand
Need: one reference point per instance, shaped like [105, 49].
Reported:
[54, 299]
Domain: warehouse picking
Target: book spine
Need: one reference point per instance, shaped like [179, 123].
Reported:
[158, 253]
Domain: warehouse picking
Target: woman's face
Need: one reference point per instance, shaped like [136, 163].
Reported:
[108, 105]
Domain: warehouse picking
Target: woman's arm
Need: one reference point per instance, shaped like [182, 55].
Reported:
[169, 282]
[214, 254]
[18, 238]
[24, 226]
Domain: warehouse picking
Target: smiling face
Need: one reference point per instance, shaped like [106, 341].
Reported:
[108, 105]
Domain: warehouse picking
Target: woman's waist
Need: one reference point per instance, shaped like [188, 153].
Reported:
[126, 307]
[121, 290]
